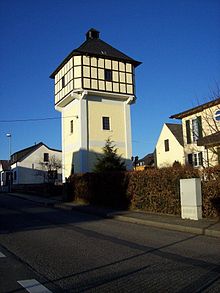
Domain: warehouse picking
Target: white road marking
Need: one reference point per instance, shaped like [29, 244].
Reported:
[2, 255]
[33, 286]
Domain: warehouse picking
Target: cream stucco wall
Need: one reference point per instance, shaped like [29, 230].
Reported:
[209, 126]
[81, 148]
[84, 94]
[175, 153]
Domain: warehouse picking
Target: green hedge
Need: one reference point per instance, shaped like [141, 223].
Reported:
[153, 190]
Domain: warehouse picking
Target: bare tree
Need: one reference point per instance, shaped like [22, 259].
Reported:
[51, 167]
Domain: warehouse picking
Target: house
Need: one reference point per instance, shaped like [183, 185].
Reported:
[146, 162]
[169, 148]
[201, 134]
[94, 88]
[4, 175]
[36, 164]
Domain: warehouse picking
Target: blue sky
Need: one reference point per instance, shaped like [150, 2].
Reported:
[178, 42]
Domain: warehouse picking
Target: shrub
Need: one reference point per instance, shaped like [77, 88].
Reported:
[153, 190]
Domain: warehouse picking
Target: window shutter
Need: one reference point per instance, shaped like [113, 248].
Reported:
[188, 133]
[199, 122]
[200, 159]
[218, 151]
[190, 159]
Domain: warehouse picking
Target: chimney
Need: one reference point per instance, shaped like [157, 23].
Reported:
[92, 34]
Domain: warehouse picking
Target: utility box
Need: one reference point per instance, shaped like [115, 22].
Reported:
[191, 198]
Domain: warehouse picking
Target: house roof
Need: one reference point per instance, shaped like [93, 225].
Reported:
[5, 165]
[148, 159]
[210, 140]
[177, 131]
[22, 154]
[196, 109]
[94, 46]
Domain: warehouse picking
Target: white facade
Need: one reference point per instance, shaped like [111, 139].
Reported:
[93, 92]
[168, 148]
[200, 126]
[33, 167]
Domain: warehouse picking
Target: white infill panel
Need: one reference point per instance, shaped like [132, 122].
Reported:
[33, 286]
[191, 198]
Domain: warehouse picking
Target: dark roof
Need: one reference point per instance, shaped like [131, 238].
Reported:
[5, 165]
[94, 46]
[210, 140]
[22, 154]
[177, 131]
[148, 160]
[196, 109]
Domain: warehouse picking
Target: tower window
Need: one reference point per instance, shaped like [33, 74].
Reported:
[166, 145]
[108, 75]
[63, 82]
[71, 126]
[105, 123]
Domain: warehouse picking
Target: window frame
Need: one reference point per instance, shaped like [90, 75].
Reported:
[104, 124]
[217, 115]
[63, 81]
[108, 74]
[46, 157]
[166, 145]
[71, 126]
[195, 159]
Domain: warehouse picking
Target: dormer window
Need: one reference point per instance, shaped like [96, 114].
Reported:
[108, 75]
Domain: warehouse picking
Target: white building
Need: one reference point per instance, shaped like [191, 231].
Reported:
[94, 88]
[31, 165]
[4, 175]
[169, 147]
[201, 134]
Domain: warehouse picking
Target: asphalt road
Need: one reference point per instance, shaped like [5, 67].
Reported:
[66, 251]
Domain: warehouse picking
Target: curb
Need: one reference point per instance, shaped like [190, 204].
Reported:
[155, 224]
[123, 218]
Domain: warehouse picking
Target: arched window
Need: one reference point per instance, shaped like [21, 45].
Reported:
[217, 115]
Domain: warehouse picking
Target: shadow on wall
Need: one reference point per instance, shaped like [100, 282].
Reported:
[84, 161]
[23, 175]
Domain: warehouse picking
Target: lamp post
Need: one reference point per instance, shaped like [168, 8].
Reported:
[10, 174]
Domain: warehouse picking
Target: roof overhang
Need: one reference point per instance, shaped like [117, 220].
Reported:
[195, 109]
[210, 140]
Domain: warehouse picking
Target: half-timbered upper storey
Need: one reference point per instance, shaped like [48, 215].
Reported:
[95, 66]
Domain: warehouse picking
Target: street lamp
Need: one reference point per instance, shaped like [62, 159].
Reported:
[10, 175]
[9, 139]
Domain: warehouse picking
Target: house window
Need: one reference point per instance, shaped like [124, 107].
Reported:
[108, 75]
[197, 128]
[105, 123]
[71, 126]
[195, 159]
[217, 115]
[63, 82]
[218, 152]
[188, 133]
[166, 145]
[46, 157]
[33, 166]
[15, 175]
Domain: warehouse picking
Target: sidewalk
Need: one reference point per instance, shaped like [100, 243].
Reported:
[201, 227]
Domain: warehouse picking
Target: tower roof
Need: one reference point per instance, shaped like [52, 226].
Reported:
[94, 46]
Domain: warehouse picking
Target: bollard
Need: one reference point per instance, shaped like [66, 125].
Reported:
[191, 198]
